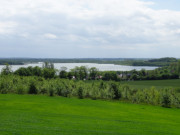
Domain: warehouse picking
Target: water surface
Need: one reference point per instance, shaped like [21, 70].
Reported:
[101, 67]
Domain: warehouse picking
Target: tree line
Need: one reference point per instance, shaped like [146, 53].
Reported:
[84, 73]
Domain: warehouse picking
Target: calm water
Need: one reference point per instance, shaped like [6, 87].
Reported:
[101, 67]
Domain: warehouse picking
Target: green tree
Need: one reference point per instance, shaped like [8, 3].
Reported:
[6, 70]
[49, 73]
[110, 75]
[23, 72]
[63, 73]
[37, 71]
[48, 65]
[80, 72]
[93, 72]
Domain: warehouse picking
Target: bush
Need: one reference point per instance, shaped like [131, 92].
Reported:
[80, 93]
[32, 88]
[166, 102]
[3, 87]
[126, 92]
[20, 89]
[65, 92]
[3, 91]
[114, 88]
[59, 90]
[94, 93]
[43, 90]
[51, 92]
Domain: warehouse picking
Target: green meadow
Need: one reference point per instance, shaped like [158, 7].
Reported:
[175, 83]
[44, 115]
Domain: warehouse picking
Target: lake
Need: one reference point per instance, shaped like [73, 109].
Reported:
[101, 67]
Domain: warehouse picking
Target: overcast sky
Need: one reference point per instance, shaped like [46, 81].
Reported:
[90, 28]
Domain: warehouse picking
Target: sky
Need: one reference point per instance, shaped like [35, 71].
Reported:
[90, 28]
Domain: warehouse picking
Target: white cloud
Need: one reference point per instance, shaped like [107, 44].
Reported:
[112, 24]
[7, 27]
[50, 36]
[177, 31]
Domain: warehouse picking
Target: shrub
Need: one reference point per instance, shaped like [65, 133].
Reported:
[94, 93]
[32, 88]
[166, 102]
[3, 87]
[125, 92]
[20, 89]
[51, 92]
[3, 91]
[43, 90]
[59, 90]
[65, 92]
[114, 88]
[80, 93]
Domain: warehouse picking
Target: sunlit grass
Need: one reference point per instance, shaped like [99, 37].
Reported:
[30, 114]
[156, 83]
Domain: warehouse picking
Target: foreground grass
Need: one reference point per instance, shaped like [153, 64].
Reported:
[42, 115]
[175, 83]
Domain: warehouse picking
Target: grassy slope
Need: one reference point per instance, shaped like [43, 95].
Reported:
[29, 115]
[155, 83]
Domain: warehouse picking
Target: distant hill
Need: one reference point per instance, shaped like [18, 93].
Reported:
[118, 61]
[166, 59]
[156, 62]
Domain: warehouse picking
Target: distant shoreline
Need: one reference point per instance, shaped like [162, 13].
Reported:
[116, 61]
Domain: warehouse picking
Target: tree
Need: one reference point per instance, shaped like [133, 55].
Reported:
[93, 72]
[142, 72]
[23, 72]
[70, 74]
[134, 77]
[48, 65]
[48, 70]
[48, 73]
[6, 70]
[37, 71]
[83, 72]
[110, 75]
[63, 73]
[80, 72]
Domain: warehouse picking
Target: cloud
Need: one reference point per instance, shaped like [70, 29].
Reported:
[7, 27]
[100, 24]
[50, 36]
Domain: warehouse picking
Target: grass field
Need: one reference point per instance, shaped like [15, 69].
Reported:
[43, 115]
[156, 83]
